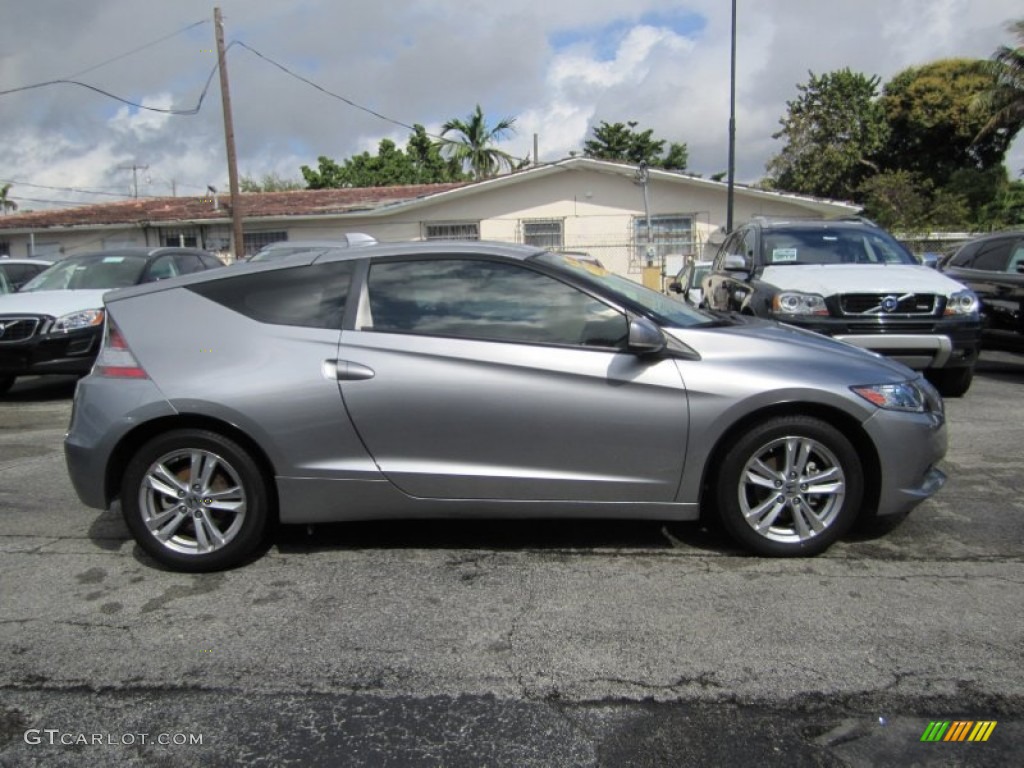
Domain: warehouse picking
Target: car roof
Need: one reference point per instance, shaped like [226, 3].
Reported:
[813, 224]
[430, 249]
[6, 260]
[348, 240]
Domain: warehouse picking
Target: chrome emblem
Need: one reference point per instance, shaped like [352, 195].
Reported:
[890, 303]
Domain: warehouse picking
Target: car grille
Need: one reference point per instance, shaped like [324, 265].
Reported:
[18, 328]
[888, 304]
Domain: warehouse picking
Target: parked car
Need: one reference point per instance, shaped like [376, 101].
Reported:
[287, 247]
[54, 324]
[449, 379]
[689, 280]
[851, 280]
[14, 273]
[993, 267]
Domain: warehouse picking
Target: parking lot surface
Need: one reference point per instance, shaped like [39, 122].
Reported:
[516, 643]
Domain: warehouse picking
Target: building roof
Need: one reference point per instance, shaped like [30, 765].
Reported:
[208, 209]
[361, 201]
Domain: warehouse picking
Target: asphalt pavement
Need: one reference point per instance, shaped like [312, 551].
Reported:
[555, 643]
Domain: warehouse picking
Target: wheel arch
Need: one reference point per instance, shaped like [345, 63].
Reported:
[846, 424]
[136, 438]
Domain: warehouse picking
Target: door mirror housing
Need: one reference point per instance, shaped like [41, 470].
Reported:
[735, 263]
[645, 338]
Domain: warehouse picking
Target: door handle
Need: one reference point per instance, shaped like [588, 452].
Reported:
[346, 370]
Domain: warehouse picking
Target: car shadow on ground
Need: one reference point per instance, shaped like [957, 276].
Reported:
[1004, 366]
[41, 389]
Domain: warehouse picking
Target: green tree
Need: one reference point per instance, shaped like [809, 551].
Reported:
[833, 132]
[420, 163]
[6, 204]
[621, 142]
[270, 182]
[1004, 102]
[935, 123]
[473, 146]
[907, 202]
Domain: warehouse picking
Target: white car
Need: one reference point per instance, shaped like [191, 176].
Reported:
[54, 323]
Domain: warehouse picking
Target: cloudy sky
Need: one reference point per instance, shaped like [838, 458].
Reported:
[558, 67]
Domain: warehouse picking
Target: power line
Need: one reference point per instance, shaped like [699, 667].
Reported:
[337, 96]
[65, 81]
[64, 189]
[136, 50]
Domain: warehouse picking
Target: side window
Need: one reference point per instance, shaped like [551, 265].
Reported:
[992, 256]
[188, 263]
[727, 247]
[312, 296]
[475, 299]
[1016, 264]
[161, 268]
[963, 257]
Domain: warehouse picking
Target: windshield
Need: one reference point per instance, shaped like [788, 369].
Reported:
[84, 272]
[827, 245]
[666, 311]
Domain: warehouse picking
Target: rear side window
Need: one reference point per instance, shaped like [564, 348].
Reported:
[312, 296]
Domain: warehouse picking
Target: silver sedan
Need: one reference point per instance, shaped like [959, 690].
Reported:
[478, 379]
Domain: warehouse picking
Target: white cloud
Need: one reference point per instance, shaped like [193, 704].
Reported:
[651, 61]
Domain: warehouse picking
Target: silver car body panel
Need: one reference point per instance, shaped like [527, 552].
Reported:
[360, 424]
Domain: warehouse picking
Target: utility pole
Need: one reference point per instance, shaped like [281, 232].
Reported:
[134, 168]
[237, 242]
[732, 126]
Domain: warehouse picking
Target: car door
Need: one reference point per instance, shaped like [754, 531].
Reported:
[470, 378]
[991, 271]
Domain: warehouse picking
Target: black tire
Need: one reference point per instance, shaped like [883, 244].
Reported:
[786, 530]
[223, 494]
[6, 382]
[951, 382]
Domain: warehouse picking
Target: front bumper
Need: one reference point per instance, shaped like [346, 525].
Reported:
[919, 343]
[60, 353]
[909, 445]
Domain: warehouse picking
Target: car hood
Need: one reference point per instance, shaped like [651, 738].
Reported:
[775, 346]
[54, 303]
[829, 279]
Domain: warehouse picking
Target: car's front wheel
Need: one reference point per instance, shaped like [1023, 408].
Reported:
[791, 486]
[195, 500]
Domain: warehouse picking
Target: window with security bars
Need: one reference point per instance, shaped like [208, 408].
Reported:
[543, 233]
[453, 230]
[256, 241]
[670, 235]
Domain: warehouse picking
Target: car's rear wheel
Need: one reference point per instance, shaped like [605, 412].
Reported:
[791, 486]
[951, 382]
[195, 500]
[6, 382]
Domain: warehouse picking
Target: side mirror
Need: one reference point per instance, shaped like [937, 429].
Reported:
[735, 263]
[1020, 268]
[930, 260]
[675, 286]
[645, 338]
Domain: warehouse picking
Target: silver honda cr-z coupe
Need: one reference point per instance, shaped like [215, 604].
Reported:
[479, 379]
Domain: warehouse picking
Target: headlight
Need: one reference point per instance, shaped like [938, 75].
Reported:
[78, 320]
[793, 303]
[962, 303]
[906, 396]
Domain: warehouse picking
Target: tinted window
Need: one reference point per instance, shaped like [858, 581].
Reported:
[162, 268]
[964, 255]
[992, 255]
[487, 300]
[312, 296]
[188, 263]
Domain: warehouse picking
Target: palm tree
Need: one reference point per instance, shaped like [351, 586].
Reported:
[6, 204]
[1006, 98]
[472, 147]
